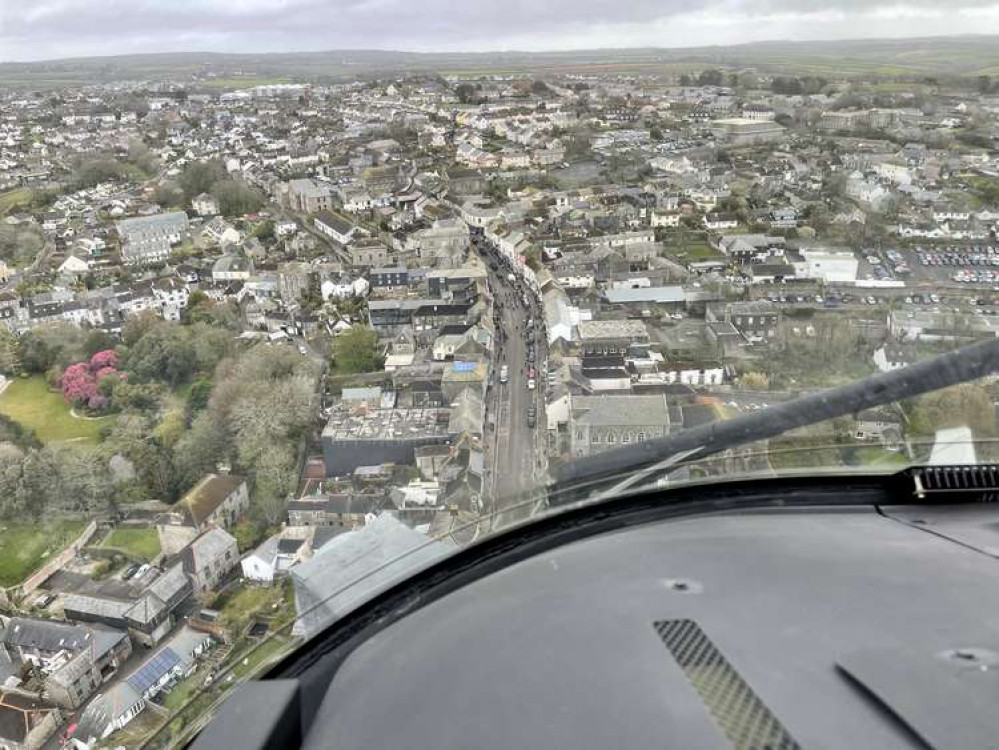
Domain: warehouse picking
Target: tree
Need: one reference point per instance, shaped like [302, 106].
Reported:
[264, 231]
[37, 483]
[97, 340]
[20, 246]
[11, 459]
[59, 344]
[84, 479]
[10, 352]
[198, 395]
[755, 381]
[274, 479]
[91, 383]
[95, 171]
[164, 353]
[136, 326]
[199, 176]
[964, 405]
[685, 80]
[465, 92]
[356, 350]
[168, 195]
[198, 308]
[140, 156]
[200, 449]
[710, 77]
[236, 197]
[539, 88]
[138, 396]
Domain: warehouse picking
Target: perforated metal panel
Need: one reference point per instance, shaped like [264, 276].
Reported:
[744, 718]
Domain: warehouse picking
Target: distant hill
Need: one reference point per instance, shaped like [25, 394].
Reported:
[897, 58]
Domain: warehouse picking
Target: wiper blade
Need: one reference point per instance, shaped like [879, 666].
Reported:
[959, 366]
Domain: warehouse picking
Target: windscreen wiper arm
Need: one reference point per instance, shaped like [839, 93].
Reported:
[959, 366]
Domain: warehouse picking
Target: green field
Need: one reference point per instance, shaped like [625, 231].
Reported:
[13, 198]
[698, 251]
[29, 402]
[264, 652]
[241, 82]
[142, 543]
[238, 607]
[25, 547]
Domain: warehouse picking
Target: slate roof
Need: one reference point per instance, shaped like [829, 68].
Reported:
[353, 566]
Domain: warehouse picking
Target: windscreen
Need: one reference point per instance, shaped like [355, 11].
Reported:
[298, 299]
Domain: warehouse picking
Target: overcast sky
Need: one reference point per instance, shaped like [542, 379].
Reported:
[47, 29]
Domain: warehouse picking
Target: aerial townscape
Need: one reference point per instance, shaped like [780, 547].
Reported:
[257, 326]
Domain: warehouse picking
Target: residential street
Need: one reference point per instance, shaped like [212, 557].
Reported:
[514, 457]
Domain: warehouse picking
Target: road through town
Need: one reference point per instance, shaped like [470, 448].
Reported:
[517, 448]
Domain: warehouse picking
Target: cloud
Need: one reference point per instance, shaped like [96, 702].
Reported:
[40, 29]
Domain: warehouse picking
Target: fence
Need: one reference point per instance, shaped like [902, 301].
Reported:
[59, 561]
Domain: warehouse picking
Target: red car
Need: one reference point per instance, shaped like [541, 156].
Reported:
[530, 372]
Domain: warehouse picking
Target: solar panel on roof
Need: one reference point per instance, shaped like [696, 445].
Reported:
[153, 671]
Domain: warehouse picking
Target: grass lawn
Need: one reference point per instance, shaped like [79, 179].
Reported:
[137, 731]
[241, 82]
[698, 251]
[247, 664]
[243, 603]
[183, 690]
[143, 543]
[12, 198]
[29, 402]
[25, 547]
[875, 455]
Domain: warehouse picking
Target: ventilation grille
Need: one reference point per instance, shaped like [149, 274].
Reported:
[979, 478]
[744, 718]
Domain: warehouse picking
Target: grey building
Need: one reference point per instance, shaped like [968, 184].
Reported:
[353, 566]
[209, 558]
[605, 337]
[336, 509]
[599, 423]
[381, 436]
[73, 659]
[309, 196]
[148, 616]
[148, 239]
[388, 276]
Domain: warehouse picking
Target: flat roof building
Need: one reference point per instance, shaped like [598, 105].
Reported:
[381, 436]
[743, 131]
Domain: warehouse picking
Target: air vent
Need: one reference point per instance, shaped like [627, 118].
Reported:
[981, 480]
[744, 718]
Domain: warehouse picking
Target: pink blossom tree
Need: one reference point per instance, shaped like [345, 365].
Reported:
[104, 359]
[78, 383]
[81, 382]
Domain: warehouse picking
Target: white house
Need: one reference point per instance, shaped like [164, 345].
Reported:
[73, 266]
[665, 219]
[829, 265]
[204, 205]
[716, 221]
[172, 295]
[261, 564]
[344, 288]
[221, 232]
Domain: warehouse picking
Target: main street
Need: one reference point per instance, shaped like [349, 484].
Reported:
[516, 457]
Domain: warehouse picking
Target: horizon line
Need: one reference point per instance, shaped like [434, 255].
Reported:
[512, 51]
